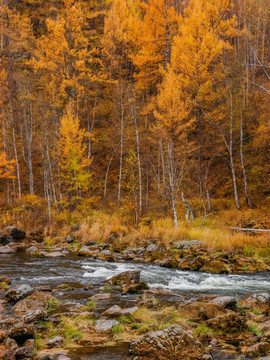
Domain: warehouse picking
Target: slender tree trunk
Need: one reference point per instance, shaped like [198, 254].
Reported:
[231, 154]
[121, 146]
[15, 149]
[243, 163]
[172, 182]
[199, 134]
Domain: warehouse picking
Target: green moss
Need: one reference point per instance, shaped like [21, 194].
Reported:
[91, 305]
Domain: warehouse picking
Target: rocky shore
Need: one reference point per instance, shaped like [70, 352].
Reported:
[149, 323]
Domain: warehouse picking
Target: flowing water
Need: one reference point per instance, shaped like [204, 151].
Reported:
[79, 272]
[82, 271]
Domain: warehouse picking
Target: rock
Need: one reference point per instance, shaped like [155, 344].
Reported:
[6, 250]
[201, 311]
[24, 352]
[32, 249]
[129, 311]
[62, 357]
[54, 254]
[26, 305]
[135, 288]
[197, 263]
[21, 332]
[151, 247]
[261, 301]
[169, 263]
[187, 244]
[126, 277]
[98, 297]
[215, 267]
[228, 323]
[265, 326]
[29, 342]
[11, 344]
[34, 316]
[69, 239]
[256, 350]
[113, 311]
[18, 293]
[55, 342]
[228, 302]
[42, 356]
[102, 325]
[5, 354]
[172, 343]
[84, 251]
[118, 311]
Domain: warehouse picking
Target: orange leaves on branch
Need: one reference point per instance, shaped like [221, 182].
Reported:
[7, 167]
[74, 162]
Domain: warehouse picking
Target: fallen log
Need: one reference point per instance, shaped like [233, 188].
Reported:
[248, 230]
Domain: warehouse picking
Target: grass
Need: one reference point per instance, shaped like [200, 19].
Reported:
[253, 327]
[118, 329]
[51, 305]
[98, 225]
[91, 305]
[202, 330]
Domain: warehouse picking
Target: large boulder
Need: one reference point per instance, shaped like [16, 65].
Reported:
[172, 343]
[228, 302]
[130, 281]
[24, 352]
[102, 325]
[18, 293]
[126, 277]
[260, 301]
[215, 267]
[26, 305]
[198, 311]
[228, 323]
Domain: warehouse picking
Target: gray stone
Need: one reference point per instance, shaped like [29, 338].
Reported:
[54, 342]
[84, 251]
[6, 250]
[228, 302]
[151, 247]
[98, 297]
[18, 293]
[55, 254]
[129, 311]
[187, 244]
[32, 249]
[113, 311]
[69, 239]
[24, 352]
[102, 326]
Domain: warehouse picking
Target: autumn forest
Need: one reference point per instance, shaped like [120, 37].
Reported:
[140, 107]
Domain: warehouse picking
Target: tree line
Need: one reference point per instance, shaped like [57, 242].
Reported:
[140, 105]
